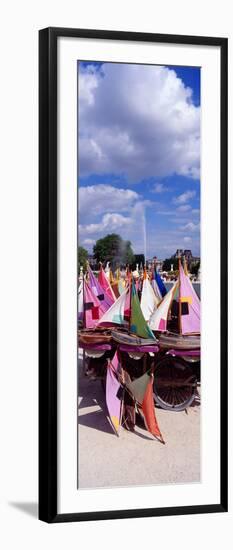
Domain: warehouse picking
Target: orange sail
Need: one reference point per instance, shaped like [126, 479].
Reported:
[149, 412]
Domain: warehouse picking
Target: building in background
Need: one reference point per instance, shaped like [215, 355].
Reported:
[192, 261]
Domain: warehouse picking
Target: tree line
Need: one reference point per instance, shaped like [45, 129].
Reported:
[119, 252]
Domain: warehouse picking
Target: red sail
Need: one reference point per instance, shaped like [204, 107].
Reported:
[149, 412]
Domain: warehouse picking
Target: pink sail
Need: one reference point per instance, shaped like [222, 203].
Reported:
[80, 300]
[99, 291]
[104, 282]
[112, 387]
[190, 305]
[127, 306]
[92, 308]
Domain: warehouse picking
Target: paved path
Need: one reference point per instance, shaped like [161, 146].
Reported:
[135, 458]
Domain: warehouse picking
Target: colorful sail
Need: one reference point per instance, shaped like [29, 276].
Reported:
[190, 305]
[92, 308]
[137, 286]
[127, 304]
[118, 274]
[80, 300]
[137, 387]
[142, 391]
[105, 283]
[99, 291]
[156, 289]
[138, 324]
[115, 314]
[114, 404]
[121, 286]
[160, 283]
[158, 320]
[119, 283]
[185, 267]
[112, 279]
[114, 284]
[149, 301]
[148, 410]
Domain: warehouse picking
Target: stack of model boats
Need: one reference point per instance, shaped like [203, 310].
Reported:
[123, 334]
[171, 318]
[172, 340]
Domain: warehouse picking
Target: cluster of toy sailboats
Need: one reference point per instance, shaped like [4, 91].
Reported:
[99, 306]
[110, 310]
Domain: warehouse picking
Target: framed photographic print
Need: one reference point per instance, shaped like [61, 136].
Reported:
[133, 275]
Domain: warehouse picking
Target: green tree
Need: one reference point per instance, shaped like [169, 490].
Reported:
[194, 268]
[139, 259]
[170, 261]
[82, 258]
[113, 249]
[128, 255]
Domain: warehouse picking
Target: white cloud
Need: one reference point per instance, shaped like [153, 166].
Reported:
[191, 227]
[130, 227]
[109, 222]
[88, 82]
[89, 241]
[187, 239]
[183, 208]
[98, 199]
[159, 188]
[184, 197]
[137, 120]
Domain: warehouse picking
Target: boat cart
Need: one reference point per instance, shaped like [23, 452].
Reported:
[95, 358]
[176, 378]
[175, 371]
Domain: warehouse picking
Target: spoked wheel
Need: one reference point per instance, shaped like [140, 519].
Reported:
[174, 384]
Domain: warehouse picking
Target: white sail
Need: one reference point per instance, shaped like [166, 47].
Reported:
[149, 301]
[115, 314]
[158, 320]
[156, 289]
[107, 270]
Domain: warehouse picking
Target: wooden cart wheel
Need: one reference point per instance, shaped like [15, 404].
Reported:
[174, 384]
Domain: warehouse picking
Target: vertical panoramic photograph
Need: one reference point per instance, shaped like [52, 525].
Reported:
[138, 274]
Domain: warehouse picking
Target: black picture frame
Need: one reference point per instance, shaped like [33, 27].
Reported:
[48, 275]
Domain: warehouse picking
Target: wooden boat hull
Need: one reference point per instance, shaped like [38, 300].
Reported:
[131, 340]
[93, 337]
[178, 341]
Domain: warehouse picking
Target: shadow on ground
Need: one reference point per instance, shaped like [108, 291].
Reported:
[29, 508]
[96, 420]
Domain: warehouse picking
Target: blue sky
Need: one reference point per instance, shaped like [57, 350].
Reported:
[139, 155]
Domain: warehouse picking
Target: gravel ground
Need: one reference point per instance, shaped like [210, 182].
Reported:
[106, 460]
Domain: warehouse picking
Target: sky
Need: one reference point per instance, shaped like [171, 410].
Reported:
[139, 156]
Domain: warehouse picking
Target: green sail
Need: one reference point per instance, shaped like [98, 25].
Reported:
[138, 325]
[138, 387]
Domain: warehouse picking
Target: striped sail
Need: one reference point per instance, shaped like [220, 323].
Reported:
[115, 314]
[158, 320]
[105, 283]
[99, 291]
